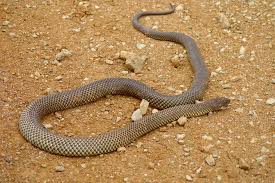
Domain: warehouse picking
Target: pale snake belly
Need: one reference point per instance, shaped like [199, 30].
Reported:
[173, 107]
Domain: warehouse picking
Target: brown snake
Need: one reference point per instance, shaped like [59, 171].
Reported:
[174, 106]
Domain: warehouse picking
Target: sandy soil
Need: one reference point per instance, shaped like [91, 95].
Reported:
[236, 39]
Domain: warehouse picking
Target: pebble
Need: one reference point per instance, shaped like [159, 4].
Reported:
[118, 119]
[110, 62]
[179, 7]
[140, 46]
[270, 101]
[50, 91]
[243, 164]
[188, 178]
[226, 86]
[239, 110]
[155, 111]
[5, 23]
[48, 126]
[210, 160]
[242, 51]
[273, 81]
[121, 149]
[83, 165]
[133, 62]
[59, 168]
[180, 136]
[62, 54]
[182, 120]
[224, 21]
[137, 115]
[58, 78]
[144, 106]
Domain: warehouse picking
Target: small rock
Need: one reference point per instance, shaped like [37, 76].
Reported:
[180, 136]
[133, 62]
[143, 106]
[243, 164]
[239, 110]
[139, 144]
[110, 62]
[121, 149]
[118, 119]
[210, 160]
[5, 23]
[62, 54]
[224, 21]
[83, 165]
[50, 91]
[155, 111]
[137, 115]
[270, 101]
[48, 126]
[226, 86]
[163, 129]
[273, 81]
[58, 78]
[140, 46]
[242, 51]
[59, 168]
[188, 178]
[182, 120]
[179, 7]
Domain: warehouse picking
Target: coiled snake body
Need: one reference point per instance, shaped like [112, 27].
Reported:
[174, 107]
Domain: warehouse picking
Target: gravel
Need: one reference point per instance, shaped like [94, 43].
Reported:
[62, 54]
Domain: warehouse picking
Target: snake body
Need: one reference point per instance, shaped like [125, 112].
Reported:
[174, 107]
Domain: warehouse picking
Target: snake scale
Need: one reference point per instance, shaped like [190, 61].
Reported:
[173, 107]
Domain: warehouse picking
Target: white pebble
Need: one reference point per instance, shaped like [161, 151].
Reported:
[155, 111]
[59, 168]
[110, 62]
[5, 23]
[62, 54]
[58, 78]
[179, 7]
[270, 101]
[48, 126]
[180, 136]
[143, 106]
[121, 149]
[182, 120]
[188, 177]
[242, 51]
[140, 46]
[137, 115]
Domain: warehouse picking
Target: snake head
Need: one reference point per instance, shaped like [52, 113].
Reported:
[218, 103]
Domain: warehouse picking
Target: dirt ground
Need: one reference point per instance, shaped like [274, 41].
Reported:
[236, 39]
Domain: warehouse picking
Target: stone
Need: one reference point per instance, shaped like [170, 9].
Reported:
[62, 54]
[243, 164]
[133, 62]
[188, 178]
[121, 149]
[59, 168]
[182, 120]
[140, 46]
[137, 115]
[270, 101]
[144, 106]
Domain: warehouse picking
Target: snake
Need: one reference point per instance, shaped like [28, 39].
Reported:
[171, 107]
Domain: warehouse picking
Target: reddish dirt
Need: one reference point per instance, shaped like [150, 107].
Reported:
[240, 138]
